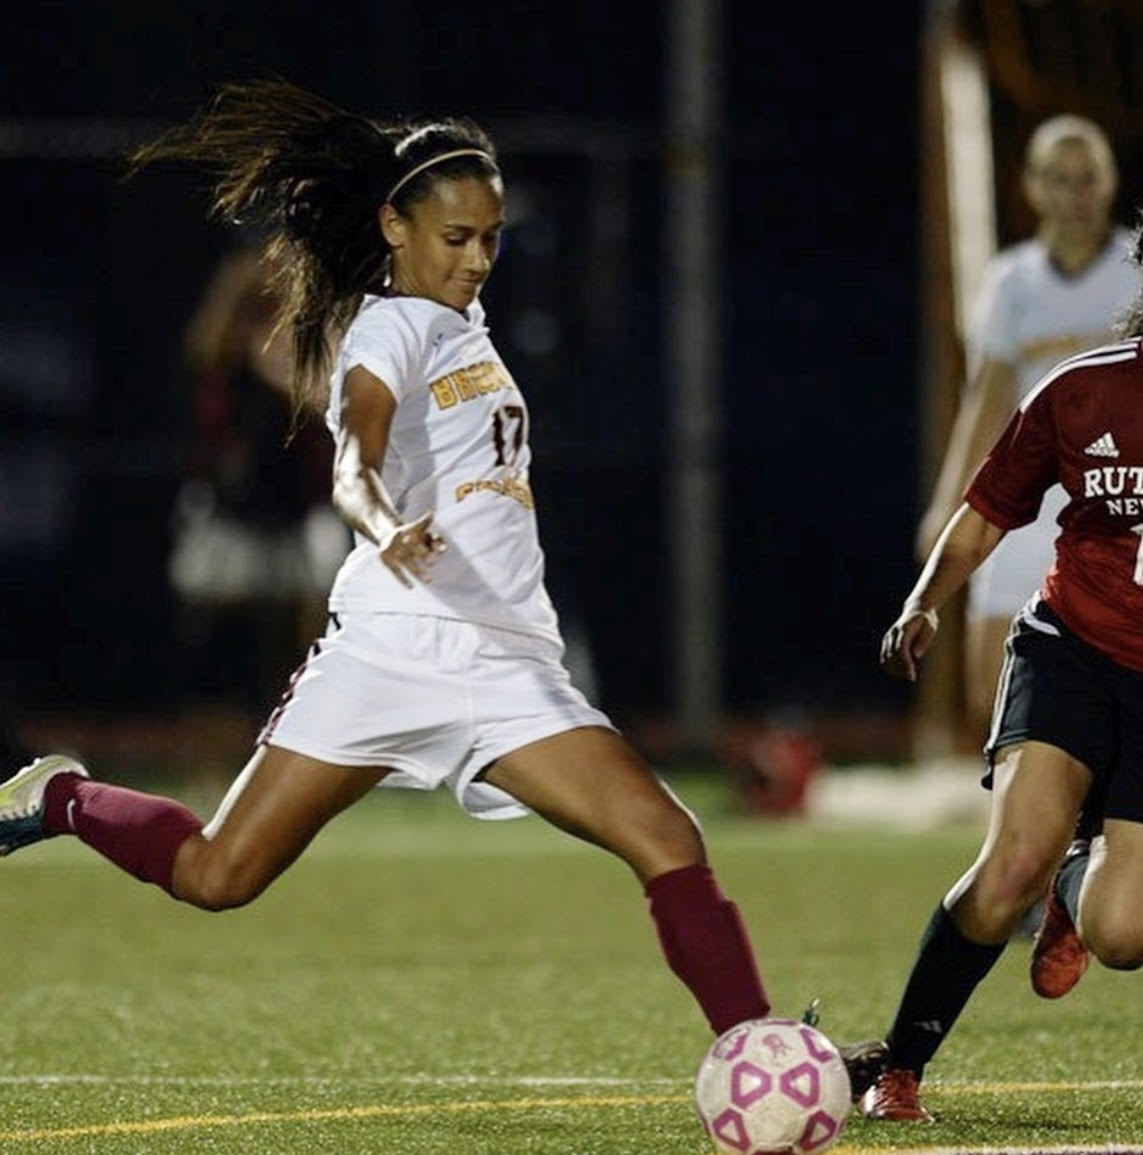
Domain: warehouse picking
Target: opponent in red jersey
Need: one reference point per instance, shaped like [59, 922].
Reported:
[1069, 707]
[1040, 300]
[1082, 425]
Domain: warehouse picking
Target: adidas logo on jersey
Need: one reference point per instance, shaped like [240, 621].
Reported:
[1103, 447]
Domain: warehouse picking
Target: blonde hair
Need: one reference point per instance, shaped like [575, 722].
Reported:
[1068, 127]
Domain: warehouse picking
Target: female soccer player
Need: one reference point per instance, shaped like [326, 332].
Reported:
[1069, 711]
[1042, 300]
[442, 659]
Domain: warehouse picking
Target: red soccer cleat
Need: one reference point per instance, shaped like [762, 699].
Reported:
[895, 1098]
[1059, 958]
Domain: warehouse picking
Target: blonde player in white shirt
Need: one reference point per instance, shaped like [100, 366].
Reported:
[1042, 300]
[442, 661]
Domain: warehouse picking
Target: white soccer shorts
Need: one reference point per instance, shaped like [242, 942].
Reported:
[435, 700]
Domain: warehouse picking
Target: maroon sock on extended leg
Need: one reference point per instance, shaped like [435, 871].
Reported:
[140, 833]
[706, 945]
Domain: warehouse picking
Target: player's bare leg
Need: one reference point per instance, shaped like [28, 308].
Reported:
[273, 810]
[592, 783]
[1110, 921]
[1037, 794]
[270, 814]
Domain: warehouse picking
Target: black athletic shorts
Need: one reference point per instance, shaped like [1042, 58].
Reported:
[1057, 689]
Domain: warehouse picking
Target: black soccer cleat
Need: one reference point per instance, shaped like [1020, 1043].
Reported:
[865, 1062]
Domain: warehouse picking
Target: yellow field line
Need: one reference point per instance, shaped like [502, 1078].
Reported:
[412, 1110]
[332, 1114]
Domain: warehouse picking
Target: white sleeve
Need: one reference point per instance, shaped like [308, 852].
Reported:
[380, 342]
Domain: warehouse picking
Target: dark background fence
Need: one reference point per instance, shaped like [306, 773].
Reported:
[817, 144]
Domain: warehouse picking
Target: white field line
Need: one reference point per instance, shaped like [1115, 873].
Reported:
[939, 1087]
[1098, 1149]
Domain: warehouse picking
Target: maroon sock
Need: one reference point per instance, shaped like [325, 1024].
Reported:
[140, 833]
[706, 945]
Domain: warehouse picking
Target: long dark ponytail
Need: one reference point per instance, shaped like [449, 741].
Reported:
[311, 176]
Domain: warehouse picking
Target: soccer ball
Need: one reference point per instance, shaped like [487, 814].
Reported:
[773, 1085]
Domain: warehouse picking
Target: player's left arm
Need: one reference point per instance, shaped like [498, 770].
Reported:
[965, 542]
[359, 495]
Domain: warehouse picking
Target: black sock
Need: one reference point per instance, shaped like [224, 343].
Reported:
[946, 972]
[1069, 881]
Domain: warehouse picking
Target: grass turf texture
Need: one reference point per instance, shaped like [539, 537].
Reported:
[420, 984]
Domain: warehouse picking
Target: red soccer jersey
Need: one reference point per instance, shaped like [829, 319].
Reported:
[1082, 426]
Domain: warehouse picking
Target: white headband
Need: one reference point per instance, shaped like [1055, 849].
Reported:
[436, 160]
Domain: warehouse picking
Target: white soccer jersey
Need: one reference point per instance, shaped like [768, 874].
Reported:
[1031, 316]
[458, 446]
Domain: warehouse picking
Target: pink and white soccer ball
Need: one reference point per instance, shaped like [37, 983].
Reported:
[773, 1085]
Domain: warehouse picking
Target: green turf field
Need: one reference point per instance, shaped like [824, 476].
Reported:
[424, 984]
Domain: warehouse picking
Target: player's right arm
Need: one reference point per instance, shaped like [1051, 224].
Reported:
[966, 541]
[987, 405]
[367, 409]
